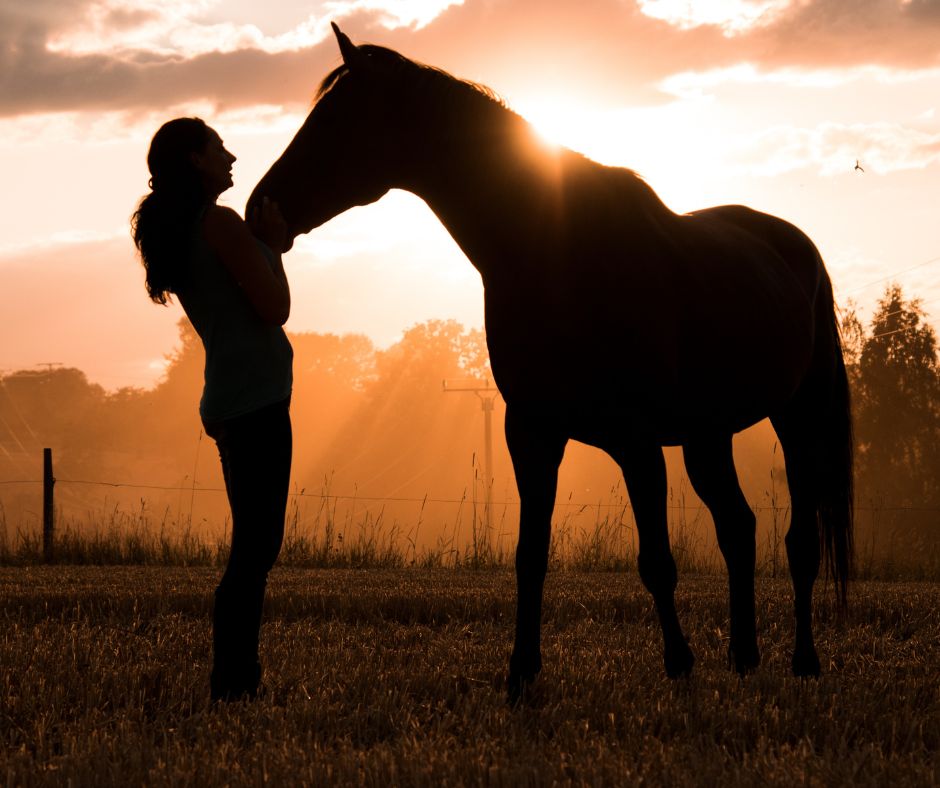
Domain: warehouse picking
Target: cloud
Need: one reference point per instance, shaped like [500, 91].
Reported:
[180, 29]
[45, 82]
[903, 34]
[88, 55]
[700, 84]
[135, 54]
[395, 13]
[732, 16]
[833, 149]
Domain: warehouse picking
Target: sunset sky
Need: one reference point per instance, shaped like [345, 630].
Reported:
[763, 102]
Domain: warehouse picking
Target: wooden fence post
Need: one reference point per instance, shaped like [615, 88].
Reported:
[48, 505]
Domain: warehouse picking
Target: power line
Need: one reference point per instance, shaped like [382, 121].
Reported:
[901, 311]
[179, 488]
[889, 333]
[892, 276]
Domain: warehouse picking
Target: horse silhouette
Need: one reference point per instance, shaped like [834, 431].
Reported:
[672, 329]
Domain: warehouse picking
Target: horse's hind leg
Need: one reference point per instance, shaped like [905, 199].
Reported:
[710, 465]
[644, 471]
[802, 539]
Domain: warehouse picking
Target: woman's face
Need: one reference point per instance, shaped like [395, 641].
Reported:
[214, 164]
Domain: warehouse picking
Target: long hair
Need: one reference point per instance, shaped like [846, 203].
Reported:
[162, 225]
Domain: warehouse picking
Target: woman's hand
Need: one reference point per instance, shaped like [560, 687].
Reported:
[268, 225]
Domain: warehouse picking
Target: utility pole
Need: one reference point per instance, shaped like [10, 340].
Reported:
[487, 393]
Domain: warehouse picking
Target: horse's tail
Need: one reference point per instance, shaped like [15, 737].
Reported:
[835, 462]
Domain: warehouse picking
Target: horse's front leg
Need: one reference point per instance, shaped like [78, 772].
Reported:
[644, 471]
[536, 446]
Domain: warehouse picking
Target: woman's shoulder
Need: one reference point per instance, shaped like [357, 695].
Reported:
[222, 224]
[221, 216]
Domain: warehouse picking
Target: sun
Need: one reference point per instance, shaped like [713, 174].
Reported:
[654, 141]
[594, 130]
[558, 122]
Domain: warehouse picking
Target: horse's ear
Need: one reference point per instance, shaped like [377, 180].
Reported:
[352, 57]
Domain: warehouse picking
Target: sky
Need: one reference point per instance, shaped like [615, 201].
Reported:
[769, 103]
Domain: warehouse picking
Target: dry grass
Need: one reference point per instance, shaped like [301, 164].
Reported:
[599, 537]
[388, 677]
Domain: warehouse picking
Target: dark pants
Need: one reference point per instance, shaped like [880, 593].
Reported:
[255, 450]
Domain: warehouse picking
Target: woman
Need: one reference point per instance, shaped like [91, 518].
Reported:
[230, 280]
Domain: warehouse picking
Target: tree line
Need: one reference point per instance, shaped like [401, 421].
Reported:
[375, 422]
[894, 376]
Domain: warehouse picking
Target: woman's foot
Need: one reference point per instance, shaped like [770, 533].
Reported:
[227, 686]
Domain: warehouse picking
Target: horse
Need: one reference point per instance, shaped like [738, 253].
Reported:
[674, 329]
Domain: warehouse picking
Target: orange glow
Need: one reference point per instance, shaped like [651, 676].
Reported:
[682, 95]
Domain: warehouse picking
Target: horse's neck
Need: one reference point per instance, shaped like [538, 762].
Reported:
[511, 201]
[495, 198]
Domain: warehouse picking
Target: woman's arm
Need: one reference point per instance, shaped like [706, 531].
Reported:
[232, 240]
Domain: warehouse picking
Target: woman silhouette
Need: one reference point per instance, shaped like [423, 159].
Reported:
[230, 280]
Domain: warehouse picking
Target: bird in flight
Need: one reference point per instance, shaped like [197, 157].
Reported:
[859, 166]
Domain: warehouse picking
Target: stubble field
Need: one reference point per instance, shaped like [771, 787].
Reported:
[384, 677]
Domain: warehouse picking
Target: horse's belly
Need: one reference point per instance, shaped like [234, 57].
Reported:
[766, 344]
[719, 353]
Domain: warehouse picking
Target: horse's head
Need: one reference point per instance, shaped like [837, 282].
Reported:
[347, 152]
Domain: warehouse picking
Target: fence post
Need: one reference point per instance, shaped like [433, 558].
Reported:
[48, 505]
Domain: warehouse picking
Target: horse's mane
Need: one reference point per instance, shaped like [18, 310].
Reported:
[479, 103]
[401, 63]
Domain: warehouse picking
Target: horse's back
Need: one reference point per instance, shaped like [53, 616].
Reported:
[702, 321]
[755, 232]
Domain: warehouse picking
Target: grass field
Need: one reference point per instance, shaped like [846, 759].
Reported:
[389, 677]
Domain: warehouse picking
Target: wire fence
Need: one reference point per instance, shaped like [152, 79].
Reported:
[356, 530]
[429, 499]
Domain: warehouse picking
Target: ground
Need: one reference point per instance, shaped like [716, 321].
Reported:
[384, 677]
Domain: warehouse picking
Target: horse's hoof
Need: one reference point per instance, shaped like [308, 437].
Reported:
[805, 663]
[679, 661]
[746, 658]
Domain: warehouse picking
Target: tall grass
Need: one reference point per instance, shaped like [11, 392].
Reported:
[590, 537]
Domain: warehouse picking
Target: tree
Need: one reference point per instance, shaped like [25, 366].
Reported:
[896, 376]
[406, 437]
[853, 341]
